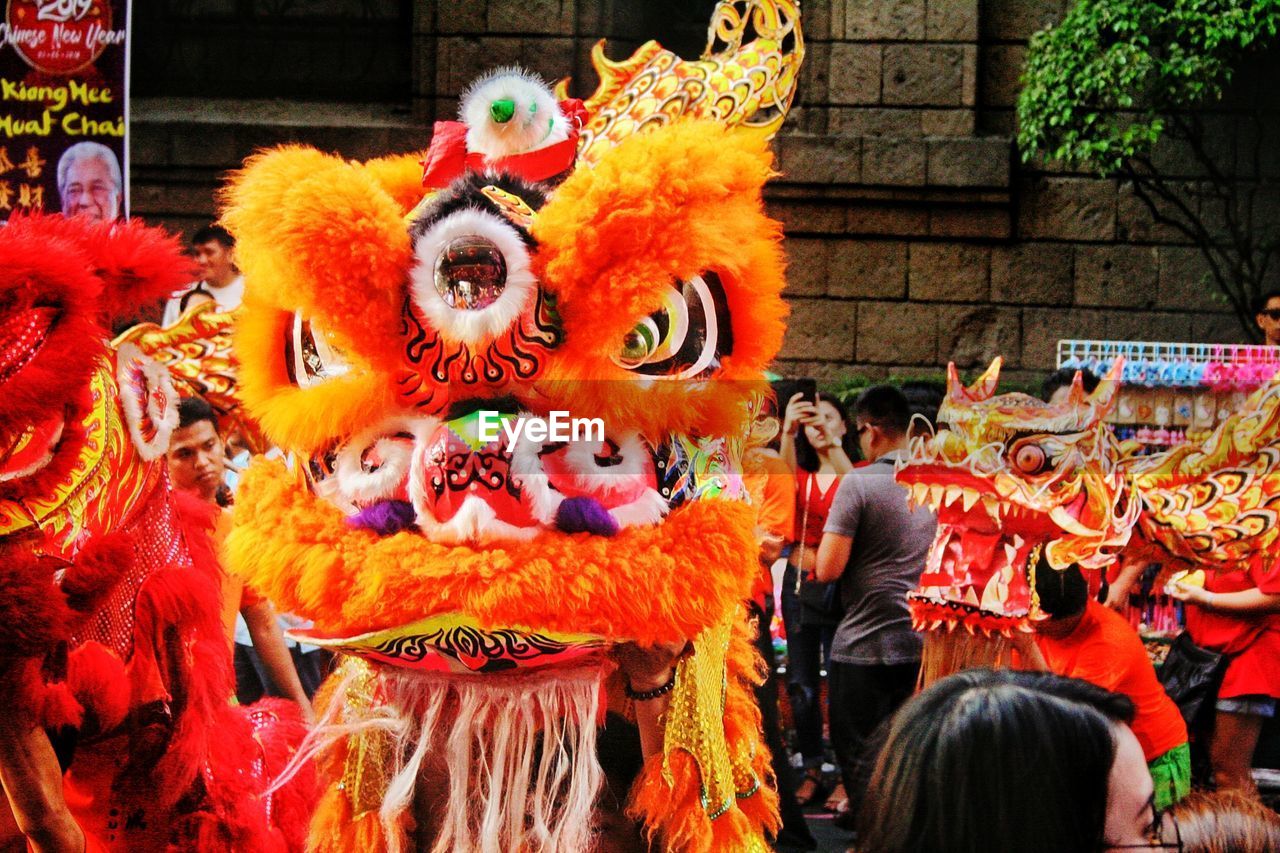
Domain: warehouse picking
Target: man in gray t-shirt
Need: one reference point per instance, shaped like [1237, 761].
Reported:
[875, 545]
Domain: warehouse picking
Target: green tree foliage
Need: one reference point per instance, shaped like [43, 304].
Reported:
[1101, 88]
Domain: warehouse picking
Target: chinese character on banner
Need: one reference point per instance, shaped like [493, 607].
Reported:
[33, 165]
[30, 197]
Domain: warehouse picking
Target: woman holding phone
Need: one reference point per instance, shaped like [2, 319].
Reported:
[815, 440]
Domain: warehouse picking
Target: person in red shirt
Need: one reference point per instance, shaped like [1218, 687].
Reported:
[817, 443]
[1082, 639]
[1238, 614]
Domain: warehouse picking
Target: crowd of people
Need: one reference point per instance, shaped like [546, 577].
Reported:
[856, 550]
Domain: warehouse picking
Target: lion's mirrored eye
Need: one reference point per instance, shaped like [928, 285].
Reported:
[471, 280]
[685, 338]
[470, 273]
[1030, 459]
[310, 357]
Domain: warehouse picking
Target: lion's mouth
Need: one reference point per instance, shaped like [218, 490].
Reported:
[478, 476]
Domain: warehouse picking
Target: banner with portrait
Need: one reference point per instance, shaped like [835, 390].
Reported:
[64, 107]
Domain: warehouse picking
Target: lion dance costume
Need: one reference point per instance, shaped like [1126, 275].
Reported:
[1012, 478]
[476, 584]
[113, 638]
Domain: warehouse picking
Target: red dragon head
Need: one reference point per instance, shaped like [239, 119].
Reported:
[1011, 477]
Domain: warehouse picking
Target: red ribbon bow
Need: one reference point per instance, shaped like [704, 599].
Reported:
[448, 158]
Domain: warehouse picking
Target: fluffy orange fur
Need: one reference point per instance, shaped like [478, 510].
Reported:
[310, 418]
[329, 242]
[655, 584]
[401, 176]
[327, 238]
[664, 205]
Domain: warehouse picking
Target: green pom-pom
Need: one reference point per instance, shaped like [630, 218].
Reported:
[502, 110]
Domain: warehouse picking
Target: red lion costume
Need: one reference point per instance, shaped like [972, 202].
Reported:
[109, 589]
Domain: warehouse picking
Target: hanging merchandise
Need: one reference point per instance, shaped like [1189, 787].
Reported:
[1172, 393]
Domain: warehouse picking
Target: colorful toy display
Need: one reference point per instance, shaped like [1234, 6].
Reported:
[114, 641]
[476, 569]
[1012, 477]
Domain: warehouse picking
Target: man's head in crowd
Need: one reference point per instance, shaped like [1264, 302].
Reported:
[1063, 596]
[1266, 313]
[90, 182]
[196, 456]
[1057, 385]
[214, 250]
[881, 417]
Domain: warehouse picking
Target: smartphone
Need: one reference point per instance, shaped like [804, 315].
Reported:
[785, 389]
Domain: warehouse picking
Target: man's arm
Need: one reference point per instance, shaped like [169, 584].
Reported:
[32, 782]
[1029, 654]
[833, 556]
[268, 642]
[1118, 592]
[1245, 602]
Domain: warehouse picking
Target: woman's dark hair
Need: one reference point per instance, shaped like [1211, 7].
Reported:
[995, 762]
[806, 456]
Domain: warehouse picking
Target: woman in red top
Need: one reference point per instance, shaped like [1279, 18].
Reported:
[1238, 614]
[819, 456]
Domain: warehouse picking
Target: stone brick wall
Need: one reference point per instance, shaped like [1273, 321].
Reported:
[915, 234]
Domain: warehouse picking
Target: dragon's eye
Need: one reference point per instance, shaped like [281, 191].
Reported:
[1030, 459]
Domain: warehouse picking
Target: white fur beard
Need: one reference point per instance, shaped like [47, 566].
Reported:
[506, 792]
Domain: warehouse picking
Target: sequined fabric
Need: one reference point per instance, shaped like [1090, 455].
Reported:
[367, 772]
[695, 724]
[157, 543]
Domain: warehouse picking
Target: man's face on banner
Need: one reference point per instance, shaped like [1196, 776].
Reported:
[91, 190]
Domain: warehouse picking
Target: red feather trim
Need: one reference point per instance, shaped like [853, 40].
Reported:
[32, 608]
[96, 677]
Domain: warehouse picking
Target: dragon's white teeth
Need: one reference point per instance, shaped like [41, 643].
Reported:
[935, 494]
[1018, 541]
[1011, 553]
[970, 497]
[919, 493]
[992, 507]
[953, 494]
